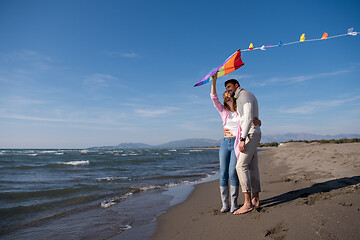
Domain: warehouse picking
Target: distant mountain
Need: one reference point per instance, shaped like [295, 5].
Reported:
[195, 142]
[125, 146]
[202, 142]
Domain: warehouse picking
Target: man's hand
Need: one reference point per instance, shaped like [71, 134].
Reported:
[242, 146]
[256, 122]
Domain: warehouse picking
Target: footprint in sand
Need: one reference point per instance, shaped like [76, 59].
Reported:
[277, 232]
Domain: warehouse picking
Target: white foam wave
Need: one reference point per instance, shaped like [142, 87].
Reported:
[127, 227]
[32, 154]
[113, 201]
[74, 163]
[196, 150]
[111, 178]
[47, 151]
[59, 153]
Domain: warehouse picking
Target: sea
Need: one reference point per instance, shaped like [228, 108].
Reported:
[95, 194]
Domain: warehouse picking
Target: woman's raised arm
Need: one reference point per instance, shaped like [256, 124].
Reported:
[213, 86]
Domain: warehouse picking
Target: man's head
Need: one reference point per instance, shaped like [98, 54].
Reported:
[231, 86]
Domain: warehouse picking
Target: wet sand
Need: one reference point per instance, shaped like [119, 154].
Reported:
[310, 191]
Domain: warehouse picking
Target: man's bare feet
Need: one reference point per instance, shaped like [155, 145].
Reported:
[255, 202]
[244, 209]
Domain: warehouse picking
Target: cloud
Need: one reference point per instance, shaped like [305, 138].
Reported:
[19, 100]
[31, 57]
[99, 80]
[31, 118]
[154, 113]
[314, 106]
[103, 120]
[130, 54]
[301, 78]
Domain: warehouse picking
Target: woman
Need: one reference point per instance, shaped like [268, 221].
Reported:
[229, 148]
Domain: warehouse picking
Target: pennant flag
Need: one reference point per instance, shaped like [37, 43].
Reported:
[351, 32]
[231, 64]
[251, 47]
[280, 43]
[324, 36]
[302, 38]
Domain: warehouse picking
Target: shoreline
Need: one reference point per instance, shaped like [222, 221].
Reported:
[310, 191]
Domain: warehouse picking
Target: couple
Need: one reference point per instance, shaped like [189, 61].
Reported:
[238, 151]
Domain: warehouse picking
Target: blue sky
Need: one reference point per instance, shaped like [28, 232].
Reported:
[77, 74]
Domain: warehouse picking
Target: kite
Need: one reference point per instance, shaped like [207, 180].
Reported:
[231, 64]
[234, 61]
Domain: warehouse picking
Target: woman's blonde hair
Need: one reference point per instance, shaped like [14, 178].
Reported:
[226, 106]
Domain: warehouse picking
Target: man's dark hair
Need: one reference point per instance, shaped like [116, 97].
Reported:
[233, 81]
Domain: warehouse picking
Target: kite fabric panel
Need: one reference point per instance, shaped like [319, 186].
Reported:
[231, 64]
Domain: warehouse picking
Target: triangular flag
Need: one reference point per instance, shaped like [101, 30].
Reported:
[302, 38]
[324, 36]
[251, 47]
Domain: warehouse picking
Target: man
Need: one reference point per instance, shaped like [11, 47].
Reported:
[247, 163]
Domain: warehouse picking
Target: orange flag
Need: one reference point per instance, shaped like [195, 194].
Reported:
[325, 35]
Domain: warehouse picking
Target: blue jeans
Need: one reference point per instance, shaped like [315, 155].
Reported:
[228, 163]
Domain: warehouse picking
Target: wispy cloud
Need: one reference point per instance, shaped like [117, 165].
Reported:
[31, 57]
[314, 106]
[130, 54]
[99, 80]
[154, 113]
[301, 78]
[105, 119]
[19, 100]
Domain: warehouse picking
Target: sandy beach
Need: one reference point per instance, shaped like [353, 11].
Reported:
[309, 191]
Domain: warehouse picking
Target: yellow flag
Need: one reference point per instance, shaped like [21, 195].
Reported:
[302, 38]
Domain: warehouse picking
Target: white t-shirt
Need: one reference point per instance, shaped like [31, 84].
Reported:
[233, 122]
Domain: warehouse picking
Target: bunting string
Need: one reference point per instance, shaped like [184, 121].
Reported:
[302, 39]
[234, 61]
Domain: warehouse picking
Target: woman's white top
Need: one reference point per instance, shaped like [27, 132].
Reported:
[233, 122]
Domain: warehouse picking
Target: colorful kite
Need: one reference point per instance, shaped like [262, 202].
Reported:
[234, 61]
[231, 64]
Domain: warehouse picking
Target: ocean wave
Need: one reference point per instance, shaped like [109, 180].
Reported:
[47, 151]
[111, 178]
[177, 176]
[75, 163]
[109, 202]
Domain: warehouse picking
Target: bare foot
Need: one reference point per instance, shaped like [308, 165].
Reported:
[255, 202]
[244, 209]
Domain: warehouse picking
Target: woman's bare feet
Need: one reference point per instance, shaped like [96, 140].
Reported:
[244, 209]
[255, 202]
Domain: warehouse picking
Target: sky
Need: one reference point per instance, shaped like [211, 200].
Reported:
[77, 74]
